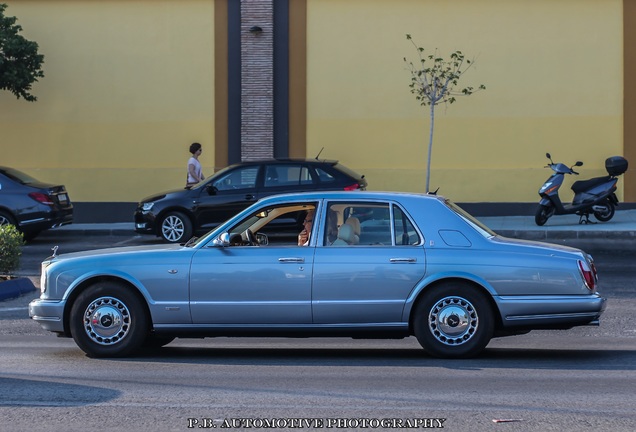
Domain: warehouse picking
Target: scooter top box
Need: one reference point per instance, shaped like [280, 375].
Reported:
[616, 165]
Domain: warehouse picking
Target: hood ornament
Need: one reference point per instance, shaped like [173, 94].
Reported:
[54, 249]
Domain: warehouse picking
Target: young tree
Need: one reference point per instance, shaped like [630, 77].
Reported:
[20, 63]
[433, 81]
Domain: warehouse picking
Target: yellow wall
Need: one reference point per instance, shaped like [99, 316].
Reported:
[128, 86]
[553, 72]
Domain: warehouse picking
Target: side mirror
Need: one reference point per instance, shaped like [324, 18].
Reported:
[222, 241]
[262, 239]
[548, 156]
[211, 190]
[578, 163]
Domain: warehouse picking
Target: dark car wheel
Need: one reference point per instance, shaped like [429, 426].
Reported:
[6, 219]
[176, 228]
[108, 320]
[453, 320]
[607, 213]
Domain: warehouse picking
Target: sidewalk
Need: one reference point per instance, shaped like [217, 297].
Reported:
[566, 227]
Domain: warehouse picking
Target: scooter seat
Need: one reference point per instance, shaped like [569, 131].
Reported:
[584, 185]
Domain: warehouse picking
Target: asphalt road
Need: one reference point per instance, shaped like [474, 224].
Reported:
[581, 379]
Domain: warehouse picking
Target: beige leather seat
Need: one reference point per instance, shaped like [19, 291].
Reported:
[346, 236]
[355, 224]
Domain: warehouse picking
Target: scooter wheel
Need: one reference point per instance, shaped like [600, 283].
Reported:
[543, 214]
[607, 214]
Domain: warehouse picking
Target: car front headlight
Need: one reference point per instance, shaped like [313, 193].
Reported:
[147, 206]
[43, 267]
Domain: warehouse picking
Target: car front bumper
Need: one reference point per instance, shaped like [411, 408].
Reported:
[144, 222]
[48, 313]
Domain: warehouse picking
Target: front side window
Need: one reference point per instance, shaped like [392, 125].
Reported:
[274, 226]
[240, 178]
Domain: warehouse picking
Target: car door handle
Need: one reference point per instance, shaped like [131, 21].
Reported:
[291, 260]
[403, 260]
[250, 197]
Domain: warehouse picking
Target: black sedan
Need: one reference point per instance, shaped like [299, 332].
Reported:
[178, 214]
[30, 205]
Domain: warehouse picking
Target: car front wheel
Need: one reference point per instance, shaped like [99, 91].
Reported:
[453, 320]
[176, 228]
[543, 213]
[108, 320]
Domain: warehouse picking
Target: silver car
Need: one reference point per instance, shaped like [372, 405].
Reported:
[375, 265]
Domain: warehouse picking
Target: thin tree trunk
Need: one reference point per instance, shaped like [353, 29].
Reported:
[430, 148]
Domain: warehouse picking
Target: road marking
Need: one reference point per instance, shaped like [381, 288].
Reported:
[13, 309]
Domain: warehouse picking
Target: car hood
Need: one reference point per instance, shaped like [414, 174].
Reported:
[166, 194]
[123, 252]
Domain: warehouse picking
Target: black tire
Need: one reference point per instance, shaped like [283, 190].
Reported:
[608, 213]
[175, 227]
[453, 320]
[109, 320]
[6, 218]
[544, 212]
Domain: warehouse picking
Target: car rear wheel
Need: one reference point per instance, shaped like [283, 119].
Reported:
[6, 219]
[453, 320]
[176, 228]
[108, 320]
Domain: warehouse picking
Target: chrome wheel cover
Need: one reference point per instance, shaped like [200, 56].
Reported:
[172, 228]
[107, 321]
[4, 221]
[453, 321]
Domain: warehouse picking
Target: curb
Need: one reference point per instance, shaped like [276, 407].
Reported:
[15, 288]
[115, 229]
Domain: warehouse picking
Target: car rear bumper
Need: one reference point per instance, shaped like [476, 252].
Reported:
[49, 314]
[544, 312]
[45, 220]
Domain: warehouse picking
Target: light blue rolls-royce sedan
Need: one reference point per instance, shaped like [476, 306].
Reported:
[359, 264]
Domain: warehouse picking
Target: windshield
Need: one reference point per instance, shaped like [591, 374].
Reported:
[210, 180]
[18, 176]
[470, 220]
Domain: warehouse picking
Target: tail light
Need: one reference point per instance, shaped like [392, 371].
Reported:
[352, 187]
[42, 198]
[588, 271]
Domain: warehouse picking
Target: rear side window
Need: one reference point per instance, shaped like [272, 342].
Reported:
[404, 231]
[369, 224]
[287, 175]
[19, 176]
[324, 176]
